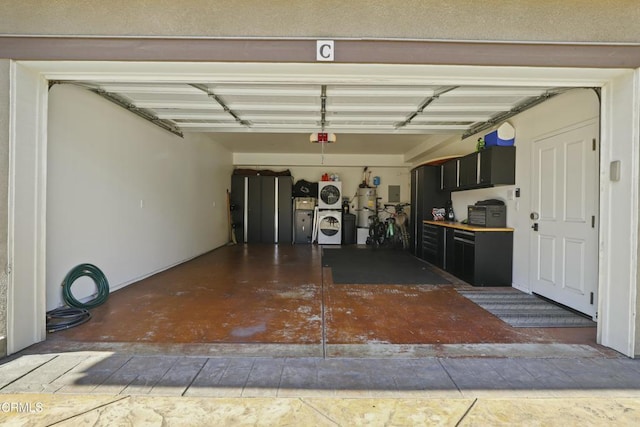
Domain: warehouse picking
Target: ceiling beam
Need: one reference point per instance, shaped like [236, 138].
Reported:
[267, 89]
[179, 105]
[425, 104]
[279, 117]
[165, 89]
[192, 116]
[306, 128]
[524, 106]
[461, 108]
[220, 102]
[315, 107]
[495, 91]
[426, 118]
[377, 91]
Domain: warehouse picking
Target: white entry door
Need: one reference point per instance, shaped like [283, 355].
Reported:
[564, 218]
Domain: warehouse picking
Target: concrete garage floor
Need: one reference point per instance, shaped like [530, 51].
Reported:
[273, 300]
[261, 336]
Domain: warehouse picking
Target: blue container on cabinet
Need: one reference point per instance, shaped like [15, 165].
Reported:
[503, 136]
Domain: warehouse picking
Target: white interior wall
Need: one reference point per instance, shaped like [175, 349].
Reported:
[125, 195]
[352, 176]
[576, 106]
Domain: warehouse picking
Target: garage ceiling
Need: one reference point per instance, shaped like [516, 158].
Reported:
[407, 110]
[397, 114]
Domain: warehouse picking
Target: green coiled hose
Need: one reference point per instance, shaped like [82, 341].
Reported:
[99, 279]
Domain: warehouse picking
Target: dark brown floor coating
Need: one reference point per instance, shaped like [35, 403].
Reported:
[404, 314]
[234, 294]
[274, 294]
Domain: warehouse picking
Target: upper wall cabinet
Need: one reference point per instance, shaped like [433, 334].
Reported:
[497, 166]
[469, 168]
[449, 175]
[492, 166]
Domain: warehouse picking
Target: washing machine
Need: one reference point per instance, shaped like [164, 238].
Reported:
[330, 195]
[330, 227]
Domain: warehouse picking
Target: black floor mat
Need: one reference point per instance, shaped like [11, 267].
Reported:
[353, 265]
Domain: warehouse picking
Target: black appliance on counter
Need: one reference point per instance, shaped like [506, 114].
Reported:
[487, 213]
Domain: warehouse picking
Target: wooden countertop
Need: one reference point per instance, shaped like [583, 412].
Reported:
[460, 226]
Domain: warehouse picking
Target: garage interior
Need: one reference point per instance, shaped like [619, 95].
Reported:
[157, 222]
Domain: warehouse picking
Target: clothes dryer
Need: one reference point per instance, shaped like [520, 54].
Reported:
[330, 227]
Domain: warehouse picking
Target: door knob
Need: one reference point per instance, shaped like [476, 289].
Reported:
[534, 216]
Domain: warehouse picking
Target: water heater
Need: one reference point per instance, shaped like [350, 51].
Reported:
[366, 205]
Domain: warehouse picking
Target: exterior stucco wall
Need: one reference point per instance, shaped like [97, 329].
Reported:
[515, 20]
[4, 186]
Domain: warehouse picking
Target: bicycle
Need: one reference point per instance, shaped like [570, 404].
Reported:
[377, 228]
[397, 233]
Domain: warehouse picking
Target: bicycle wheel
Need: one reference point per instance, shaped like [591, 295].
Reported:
[380, 234]
[398, 238]
[372, 239]
[372, 229]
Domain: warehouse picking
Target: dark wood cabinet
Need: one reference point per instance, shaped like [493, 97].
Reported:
[432, 244]
[464, 255]
[238, 200]
[425, 195]
[262, 208]
[449, 175]
[284, 210]
[468, 171]
[480, 257]
[254, 215]
[438, 246]
[493, 259]
[495, 165]
[448, 250]
[483, 258]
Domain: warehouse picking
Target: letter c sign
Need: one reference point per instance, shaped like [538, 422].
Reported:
[324, 50]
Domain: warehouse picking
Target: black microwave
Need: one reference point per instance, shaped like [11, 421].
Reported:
[487, 215]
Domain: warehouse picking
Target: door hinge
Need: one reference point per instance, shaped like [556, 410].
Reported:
[593, 144]
[593, 221]
[591, 299]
